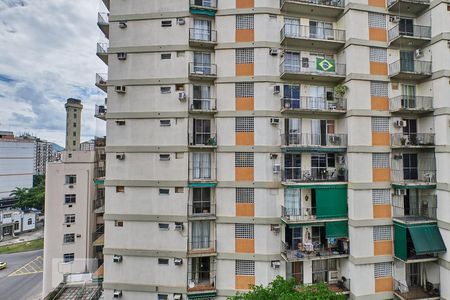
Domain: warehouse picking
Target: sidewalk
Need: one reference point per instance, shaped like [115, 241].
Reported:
[25, 237]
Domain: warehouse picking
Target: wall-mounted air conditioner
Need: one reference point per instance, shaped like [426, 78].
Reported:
[117, 294]
[117, 258]
[120, 156]
[121, 89]
[276, 89]
[274, 121]
[121, 56]
[273, 51]
[400, 192]
[123, 25]
[182, 96]
[276, 169]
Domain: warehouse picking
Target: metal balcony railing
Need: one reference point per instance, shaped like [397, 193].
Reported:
[415, 292]
[98, 233]
[99, 172]
[390, 2]
[201, 281]
[423, 211]
[99, 202]
[314, 140]
[298, 214]
[312, 32]
[202, 35]
[410, 66]
[101, 78]
[412, 139]
[202, 70]
[207, 4]
[202, 246]
[304, 251]
[333, 3]
[203, 105]
[287, 66]
[103, 18]
[411, 103]
[100, 111]
[298, 174]
[414, 175]
[416, 31]
[202, 209]
[102, 48]
[207, 139]
[314, 103]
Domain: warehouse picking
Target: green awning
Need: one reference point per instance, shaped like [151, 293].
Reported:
[202, 184]
[331, 203]
[427, 239]
[99, 181]
[317, 186]
[202, 295]
[205, 12]
[400, 241]
[336, 229]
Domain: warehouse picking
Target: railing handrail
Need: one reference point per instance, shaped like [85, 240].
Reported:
[303, 31]
[390, 2]
[103, 18]
[211, 35]
[312, 174]
[211, 101]
[420, 31]
[212, 2]
[206, 69]
[314, 103]
[340, 69]
[102, 47]
[337, 3]
[411, 102]
[314, 139]
[101, 78]
[410, 66]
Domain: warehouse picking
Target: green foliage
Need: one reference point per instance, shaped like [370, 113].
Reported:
[30, 197]
[340, 90]
[282, 289]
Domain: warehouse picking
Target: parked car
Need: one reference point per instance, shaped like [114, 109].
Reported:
[3, 265]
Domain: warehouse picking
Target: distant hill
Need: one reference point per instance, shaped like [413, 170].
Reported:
[57, 148]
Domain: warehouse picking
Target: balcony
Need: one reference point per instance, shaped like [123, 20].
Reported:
[418, 291]
[410, 6]
[412, 140]
[315, 250]
[309, 215]
[99, 205]
[203, 7]
[99, 172]
[318, 8]
[198, 71]
[293, 175]
[202, 209]
[413, 170]
[325, 70]
[420, 210]
[202, 167]
[107, 3]
[202, 247]
[203, 106]
[201, 277]
[202, 37]
[203, 140]
[414, 70]
[100, 112]
[314, 104]
[310, 141]
[411, 104]
[416, 36]
[312, 37]
[103, 23]
[102, 52]
[101, 81]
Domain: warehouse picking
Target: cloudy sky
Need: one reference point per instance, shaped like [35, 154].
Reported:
[48, 55]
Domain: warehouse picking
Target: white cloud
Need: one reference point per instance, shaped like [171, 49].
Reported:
[48, 55]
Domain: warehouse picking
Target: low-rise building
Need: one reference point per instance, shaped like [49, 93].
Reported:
[16, 221]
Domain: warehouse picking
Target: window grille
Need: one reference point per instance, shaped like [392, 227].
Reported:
[381, 196]
[245, 22]
[244, 124]
[378, 88]
[380, 160]
[244, 159]
[245, 195]
[245, 267]
[382, 233]
[244, 56]
[244, 231]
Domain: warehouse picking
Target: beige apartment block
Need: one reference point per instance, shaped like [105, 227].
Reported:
[248, 139]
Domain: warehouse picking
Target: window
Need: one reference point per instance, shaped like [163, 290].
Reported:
[378, 55]
[245, 267]
[69, 238]
[164, 123]
[245, 195]
[381, 196]
[320, 269]
[16, 225]
[163, 297]
[163, 226]
[71, 179]
[201, 200]
[166, 55]
[380, 160]
[382, 233]
[202, 131]
[69, 219]
[120, 189]
[74, 133]
[380, 124]
[201, 165]
[164, 192]
[74, 124]
[383, 270]
[179, 189]
[378, 88]
[179, 155]
[69, 257]
[244, 124]
[74, 143]
[245, 22]
[30, 221]
[75, 116]
[165, 90]
[164, 157]
[7, 216]
[244, 90]
[377, 20]
[244, 56]
[70, 198]
[166, 23]
[244, 231]
[163, 261]
[244, 159]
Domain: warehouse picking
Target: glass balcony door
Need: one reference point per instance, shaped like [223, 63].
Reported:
[202, 131]
[202, 97]
[292, 165]
[200, 234]
[201, 165]
[321, 30]
[202, 63]
[410, 169]
[292, 27]
[406, 27]
[407, 61]
[293, 130]
[292, 95]
[202, 30]
[201, 200]
[409, 96]
[201, 270]
[292, 62]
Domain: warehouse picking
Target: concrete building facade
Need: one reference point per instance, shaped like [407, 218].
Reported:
[253, 138]
[73, 124]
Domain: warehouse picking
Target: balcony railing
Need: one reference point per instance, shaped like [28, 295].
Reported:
[412, 139]
[206, 4]
[103, 19]
[298, 214]
[418, 31]
[102, 48]
[202, 246]
[314, 103]
[314, 250]
[100, 111]
[202, 70]
[202, 35]
[294, 68]
[98, 233]
[202, 209]
[428, 291]
[425, 212]
[413, 176]
[203, 139]
[99, 202]
[297, 174]
[314, 140]
[410, 66]
[411, 103]
[199, 281]
[99, 172]
[203, 105]
[334, 3]
[294, 31]
[101, 79]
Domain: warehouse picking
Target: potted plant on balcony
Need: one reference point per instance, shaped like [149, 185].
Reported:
[403, 140]
[341, 174]
[340, 90]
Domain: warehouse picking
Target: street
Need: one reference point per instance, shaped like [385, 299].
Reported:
[22, 279]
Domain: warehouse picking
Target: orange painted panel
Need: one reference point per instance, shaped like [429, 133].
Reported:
[380, 139]
[382, 211]
[245, 245]
[245, 35]
[381, 175]
[244, 69]
[378, 3]
[377, 68]
[245, 3]
[244, 282]
[378, 34]
[380, 103]
[245, 103]
[382, 247]
[384, 284]
[245, 138]
[245, 209]
[244, 173]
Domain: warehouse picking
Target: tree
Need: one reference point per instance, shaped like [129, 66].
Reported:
[29, 197]
[282, 289]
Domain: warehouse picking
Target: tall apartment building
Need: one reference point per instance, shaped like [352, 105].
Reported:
[73, 122]
[254, 138]
[43, 155]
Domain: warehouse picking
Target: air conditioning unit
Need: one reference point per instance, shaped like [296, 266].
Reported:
[274, 121]
[394, 19]
[273, 156]
[275, 228]
[178, 261]
[121, 56]
[275, 264]
[181, 21]
[117, 294]
[181, 96]
[70, 186]
[273, 51]
[120, 156]
[397, 156]
[400, 123]
[117, 258]
[179, 226]
[276, 169]
[400, 192]
[276, 89]
[177, 296]
[418, 53]
[123, 25]
[120, 122]
[333, 277]
[121, 89]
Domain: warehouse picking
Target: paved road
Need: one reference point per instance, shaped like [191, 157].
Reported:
[22, 279]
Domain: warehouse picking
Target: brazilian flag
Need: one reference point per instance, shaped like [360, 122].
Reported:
[325, 64]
